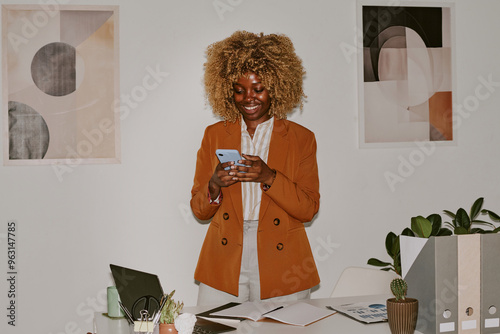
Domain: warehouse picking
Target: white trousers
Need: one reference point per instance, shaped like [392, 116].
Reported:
[249, 281]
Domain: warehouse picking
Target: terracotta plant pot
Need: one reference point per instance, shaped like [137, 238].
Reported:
[167, 329]
[402, 315]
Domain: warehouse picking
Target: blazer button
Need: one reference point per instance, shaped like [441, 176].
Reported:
[225, 216]
[279, 246]
[224, 241]
[276, 221]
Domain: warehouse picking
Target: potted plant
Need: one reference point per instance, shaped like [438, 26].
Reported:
[169, 312]
[402, 312]
[461, 223]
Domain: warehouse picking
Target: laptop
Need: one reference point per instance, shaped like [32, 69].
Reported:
[137, 290]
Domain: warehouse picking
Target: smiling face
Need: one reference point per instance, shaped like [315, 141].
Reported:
[252, 99]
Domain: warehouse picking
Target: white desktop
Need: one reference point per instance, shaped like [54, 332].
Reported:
[335, 324]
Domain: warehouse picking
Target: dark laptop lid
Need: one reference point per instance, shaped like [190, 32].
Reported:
[138, 290]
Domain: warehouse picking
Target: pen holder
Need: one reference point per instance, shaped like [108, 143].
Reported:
[114, 309]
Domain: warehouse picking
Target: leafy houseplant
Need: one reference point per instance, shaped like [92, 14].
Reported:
[402, 311]
[420, 227]
[169, 312]
[461, 223]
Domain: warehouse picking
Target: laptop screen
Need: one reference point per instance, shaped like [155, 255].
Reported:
[138, 290]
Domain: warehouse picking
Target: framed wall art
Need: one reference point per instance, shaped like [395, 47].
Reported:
[60, 82]
[405, 73]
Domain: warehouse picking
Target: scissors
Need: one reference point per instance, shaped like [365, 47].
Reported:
[148, 303]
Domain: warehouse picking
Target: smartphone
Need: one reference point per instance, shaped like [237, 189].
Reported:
[226, 155]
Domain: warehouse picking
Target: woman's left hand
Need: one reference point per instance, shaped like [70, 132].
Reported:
[256, 170]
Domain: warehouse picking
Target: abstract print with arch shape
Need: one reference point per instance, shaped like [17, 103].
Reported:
[407, 76]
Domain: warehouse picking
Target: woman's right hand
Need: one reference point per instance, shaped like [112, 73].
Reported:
[222, 178]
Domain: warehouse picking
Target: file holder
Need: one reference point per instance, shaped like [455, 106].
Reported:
[469, 283]
[490, 280]
[455, 278]
[433, 280]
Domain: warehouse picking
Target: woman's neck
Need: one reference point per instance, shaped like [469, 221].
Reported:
[252, 125]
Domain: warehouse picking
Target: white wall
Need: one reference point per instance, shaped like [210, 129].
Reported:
[137, 213]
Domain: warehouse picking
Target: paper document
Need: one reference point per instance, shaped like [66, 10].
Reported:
[299, 314]
[364, 312]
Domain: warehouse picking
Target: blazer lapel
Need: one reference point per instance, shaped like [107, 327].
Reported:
[233, 140]
[278, 151]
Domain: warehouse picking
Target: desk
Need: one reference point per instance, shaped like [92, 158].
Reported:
[335, 324]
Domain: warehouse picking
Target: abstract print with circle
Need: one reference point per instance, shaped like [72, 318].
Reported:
[61, 83]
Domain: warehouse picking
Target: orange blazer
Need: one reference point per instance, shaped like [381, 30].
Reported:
[286, 263]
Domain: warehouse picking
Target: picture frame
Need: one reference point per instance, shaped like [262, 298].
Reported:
[406, 73]
[60, 84]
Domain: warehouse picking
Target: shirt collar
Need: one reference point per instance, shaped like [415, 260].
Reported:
[244, 125]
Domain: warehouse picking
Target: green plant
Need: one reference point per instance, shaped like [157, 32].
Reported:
[461, 223]
[467, 223]
[428, 227]
[170, 309]
[399, 287]
[402, 312]
[392, 249]
[420, 227]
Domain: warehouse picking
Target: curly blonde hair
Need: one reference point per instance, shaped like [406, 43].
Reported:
[272, 57]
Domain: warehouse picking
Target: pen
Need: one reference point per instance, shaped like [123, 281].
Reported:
[128, 316]
[163, 301]
[273, 310]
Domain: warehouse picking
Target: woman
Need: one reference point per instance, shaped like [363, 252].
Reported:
[256, 246]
